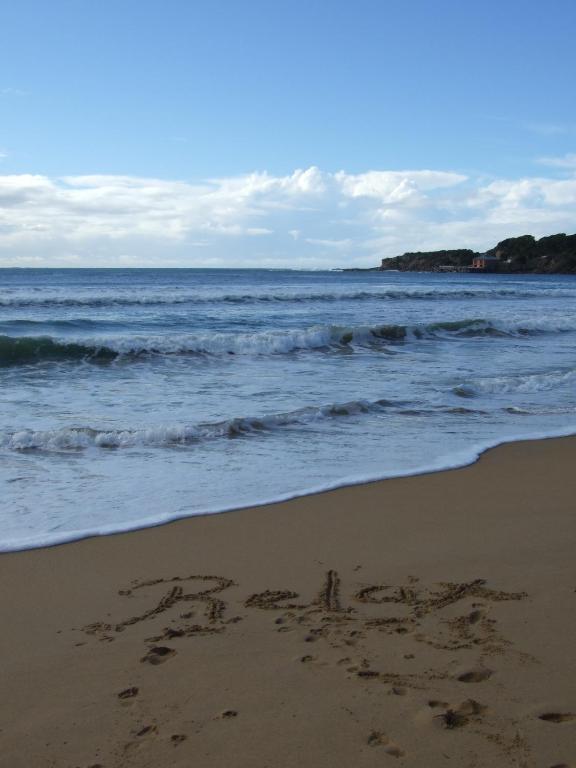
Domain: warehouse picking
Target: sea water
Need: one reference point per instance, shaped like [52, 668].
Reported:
[133, 397]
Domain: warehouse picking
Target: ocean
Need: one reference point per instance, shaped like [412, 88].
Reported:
[132, 397]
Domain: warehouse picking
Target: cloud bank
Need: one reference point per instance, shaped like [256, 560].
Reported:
[307, 219]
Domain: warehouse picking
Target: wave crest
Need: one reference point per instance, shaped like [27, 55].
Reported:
[390, 294]
[30, 349]
[523, 384]
[81, 438]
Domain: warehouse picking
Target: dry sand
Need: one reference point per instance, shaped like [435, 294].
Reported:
[418, 622]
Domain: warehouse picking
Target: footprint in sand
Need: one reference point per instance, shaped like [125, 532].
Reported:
[458, 717]
[475, 676]
[558, 717]
[452, 719]
[128, 693]
[158, 655]
[368, 674]
[561, 765]
[379, 739]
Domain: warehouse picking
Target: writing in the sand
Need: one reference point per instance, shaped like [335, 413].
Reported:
[204, 605]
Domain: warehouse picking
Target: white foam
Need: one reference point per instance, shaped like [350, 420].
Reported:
[455, 460]
[81, 438]
[526, 383]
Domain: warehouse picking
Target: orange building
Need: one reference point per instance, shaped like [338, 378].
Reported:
[484, 263]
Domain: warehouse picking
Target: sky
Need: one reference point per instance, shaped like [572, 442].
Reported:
[281, 133]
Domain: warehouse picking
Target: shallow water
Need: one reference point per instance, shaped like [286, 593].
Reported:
[130, 397]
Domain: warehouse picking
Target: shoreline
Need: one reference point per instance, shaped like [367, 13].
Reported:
[419, 621]
[464, 459]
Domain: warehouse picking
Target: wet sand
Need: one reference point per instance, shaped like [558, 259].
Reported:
[417, 622]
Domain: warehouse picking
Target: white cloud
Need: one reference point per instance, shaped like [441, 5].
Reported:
[395, 186]
[307, 218]
[338, 244]
[566, 161]
[529, 194]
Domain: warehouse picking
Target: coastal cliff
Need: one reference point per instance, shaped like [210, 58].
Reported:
[555, 254]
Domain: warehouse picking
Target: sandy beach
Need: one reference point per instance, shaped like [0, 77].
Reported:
[418, 622]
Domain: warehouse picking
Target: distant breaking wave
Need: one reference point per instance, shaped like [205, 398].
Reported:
[125, 300]
[31, 349]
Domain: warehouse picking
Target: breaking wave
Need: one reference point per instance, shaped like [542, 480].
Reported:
[82, 438]
[526, 383]
[31, 349]
[79, 438]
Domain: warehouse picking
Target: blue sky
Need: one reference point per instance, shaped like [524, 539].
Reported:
[110, 110]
